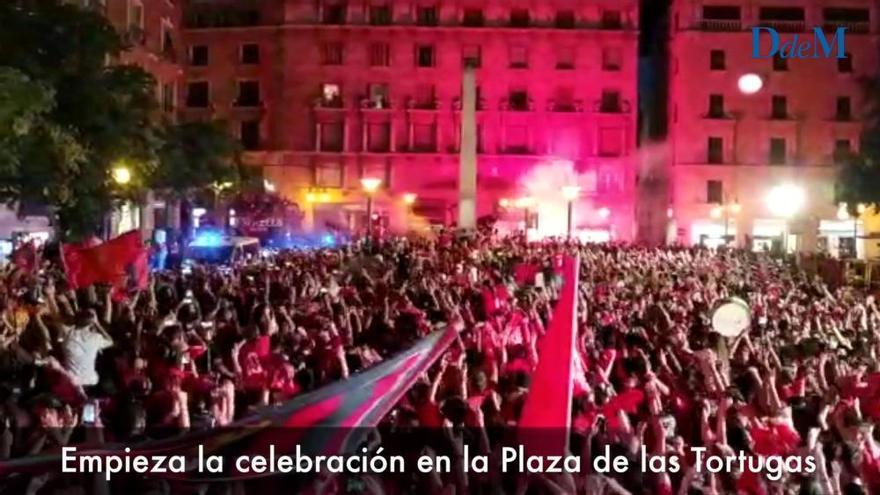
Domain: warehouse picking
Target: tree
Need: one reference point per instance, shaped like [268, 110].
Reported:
[858, 180]
[195, 156]
[80, 117]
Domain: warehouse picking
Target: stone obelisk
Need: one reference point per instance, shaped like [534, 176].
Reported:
[467, 166]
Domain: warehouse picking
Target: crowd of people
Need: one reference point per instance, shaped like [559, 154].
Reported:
[202, 349]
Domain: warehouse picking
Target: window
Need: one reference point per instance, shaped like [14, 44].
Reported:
[249, 132]
[332, 136]
[425, 97]
[471, 56]
[331, 54]
[779, 107]
[473, 18]
[519, 18]
[331, 95]
[565, 19]
[250, 54]
[842, 150]
[611, 19]
[136, 15]
[716, 106]
[717, 60]
[777, 151]
[563, 99]
[198, 55]
[565, 58]
[845, 65]
[168, 97]
[783, 19]
[379, 137]
[248, 94]
[380, 55]
[610, 144]
[380, 15]
[610, 102]
[425, 56]
[333, 13]
[518, 99]
[714, 191]
[844, 108]
[721, 12]
[780, 64]
[198, 94]
[612, 59]
[424, 137]
[519, 57]
[379, 95]
[715, 147]
[426, 16]
[855, 20]
[167, 39]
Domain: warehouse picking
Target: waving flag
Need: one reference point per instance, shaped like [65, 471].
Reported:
[106, 263]
[332, 420]
[546, 415]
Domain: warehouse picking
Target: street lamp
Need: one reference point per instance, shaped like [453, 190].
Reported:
[785, 201]
[409, 200]
[570, 193]
[370, 186]
[604, 213]
[121, 175]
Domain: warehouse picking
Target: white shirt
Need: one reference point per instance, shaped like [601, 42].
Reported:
[81, 349]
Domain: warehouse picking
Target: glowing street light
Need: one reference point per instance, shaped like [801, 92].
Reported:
[842, 213]
[370, 186]
[570, 193]
[604, 213]
[409, 199]
[750, 84]
[504, 203]
[121, 175]
[269, 186]
[786, 201]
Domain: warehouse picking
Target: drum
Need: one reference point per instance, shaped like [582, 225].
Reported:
[731, 317]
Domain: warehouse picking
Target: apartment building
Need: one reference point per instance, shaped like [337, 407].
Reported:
[755, 139]
[324, 93]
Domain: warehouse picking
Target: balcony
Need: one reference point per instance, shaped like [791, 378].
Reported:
[565, 106]
[329, 103]
[516, 104]
[851, 27]
[612, 106]
[416, 104]
[721, 25]
[375, 103]
[784, 26]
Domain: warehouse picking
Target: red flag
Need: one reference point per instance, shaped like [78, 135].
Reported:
[546, 414]
[106, 263]
[331, 420]
[26, 257]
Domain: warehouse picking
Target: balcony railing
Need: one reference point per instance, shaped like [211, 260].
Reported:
[415, 104]
[721, 25]
[784, 26]
[377, 103]
[612, 106]
[516, 105]
[565, 106]
[333, 103]
[851, 27]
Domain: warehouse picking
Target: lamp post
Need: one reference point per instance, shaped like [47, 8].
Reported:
[370, 185]
[570, 193]
[121, 175]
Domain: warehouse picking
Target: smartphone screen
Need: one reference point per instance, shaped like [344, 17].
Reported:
[89, 413]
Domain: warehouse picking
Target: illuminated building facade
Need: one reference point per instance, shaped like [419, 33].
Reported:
[324, 93]
[731, 145]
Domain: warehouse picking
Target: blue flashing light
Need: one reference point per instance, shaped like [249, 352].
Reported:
[208, 239]
[328, 240]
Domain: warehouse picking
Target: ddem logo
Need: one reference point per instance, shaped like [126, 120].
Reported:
[819, 46]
